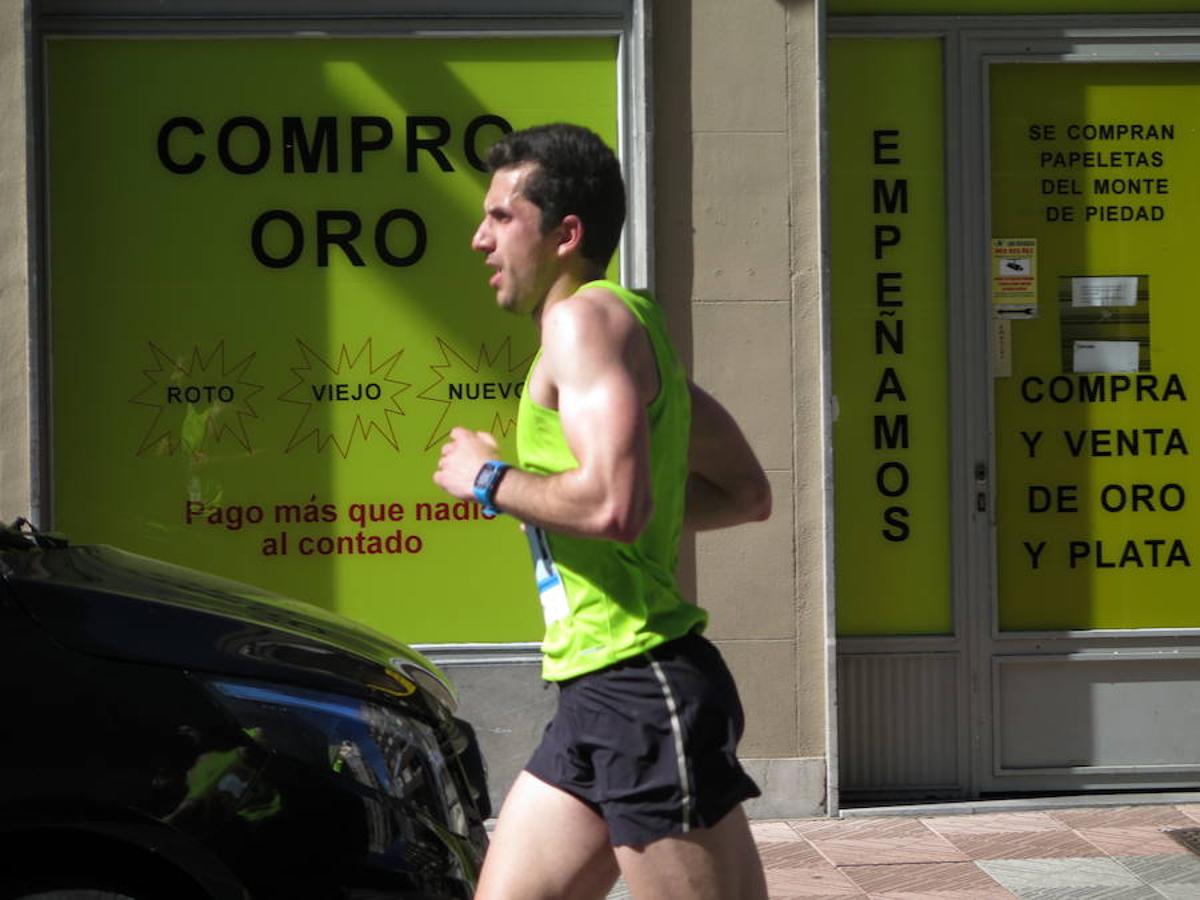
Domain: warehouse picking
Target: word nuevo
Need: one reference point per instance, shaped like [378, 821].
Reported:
[487, 390]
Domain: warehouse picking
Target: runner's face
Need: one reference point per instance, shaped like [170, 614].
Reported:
[510, 237]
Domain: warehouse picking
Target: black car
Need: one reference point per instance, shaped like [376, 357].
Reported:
[169, 734]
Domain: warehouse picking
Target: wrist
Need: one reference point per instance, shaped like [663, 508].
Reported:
[487, 481]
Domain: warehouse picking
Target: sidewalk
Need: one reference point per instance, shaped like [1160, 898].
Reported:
[1109, 853]
[1086, 851]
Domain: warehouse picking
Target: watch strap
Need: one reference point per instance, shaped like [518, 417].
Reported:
[486, 483]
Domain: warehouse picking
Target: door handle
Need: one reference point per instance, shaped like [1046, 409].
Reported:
[981, 487]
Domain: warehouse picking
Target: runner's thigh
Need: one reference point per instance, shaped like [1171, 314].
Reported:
[717, 863]
[547, 844]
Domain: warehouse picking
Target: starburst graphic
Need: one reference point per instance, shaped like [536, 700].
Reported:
[484, 390]
[197, 398]
[360, 395]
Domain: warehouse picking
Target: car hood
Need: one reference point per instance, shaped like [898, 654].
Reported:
[106, 601]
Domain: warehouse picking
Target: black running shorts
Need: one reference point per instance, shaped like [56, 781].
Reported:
[650, 743]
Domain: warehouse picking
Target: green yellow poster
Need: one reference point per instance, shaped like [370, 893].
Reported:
[265, 315]
[1094, 412]
[888, 297]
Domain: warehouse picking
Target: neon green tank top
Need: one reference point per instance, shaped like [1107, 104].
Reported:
[605, 601]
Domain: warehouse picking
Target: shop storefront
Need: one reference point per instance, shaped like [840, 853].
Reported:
[259, 314]
[934, 256]
[1009, 238]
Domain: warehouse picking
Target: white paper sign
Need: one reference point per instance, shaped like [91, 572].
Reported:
[1104, 290]
[1106, 356]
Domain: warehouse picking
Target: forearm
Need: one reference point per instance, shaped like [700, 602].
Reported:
[726, 484]
[710, 506]
[572, 503]
[587, 348]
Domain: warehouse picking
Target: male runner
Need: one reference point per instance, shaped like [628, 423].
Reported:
[619, 452]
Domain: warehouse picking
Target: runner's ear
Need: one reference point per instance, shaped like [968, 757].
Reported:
[570, 235]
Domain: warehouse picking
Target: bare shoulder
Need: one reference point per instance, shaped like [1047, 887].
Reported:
[593, 308]
[591, 322]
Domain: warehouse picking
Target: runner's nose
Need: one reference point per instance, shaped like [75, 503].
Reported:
[481, 240]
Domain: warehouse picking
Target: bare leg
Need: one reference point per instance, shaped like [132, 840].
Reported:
[547, 846]
[718, 863]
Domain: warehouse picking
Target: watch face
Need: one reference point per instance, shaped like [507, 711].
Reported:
[486, 473]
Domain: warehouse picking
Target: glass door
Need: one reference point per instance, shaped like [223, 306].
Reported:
[1088, 654]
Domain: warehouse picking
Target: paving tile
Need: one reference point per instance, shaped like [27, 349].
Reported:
[1091, 892]
[1173, 869]
[1114, 816]
[851, 827]
[773, 831]
[1004, 823]
[1087, 853]
[807, 826]
[903, 841]
[1191, 810]
[1133, 840]
[926, 880]
[996, 893]
[1188, 838]
[1024, 845]
[790, 855]
[1024, 875]
[810, 882]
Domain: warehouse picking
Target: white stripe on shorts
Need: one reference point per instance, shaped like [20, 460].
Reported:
[680, 754]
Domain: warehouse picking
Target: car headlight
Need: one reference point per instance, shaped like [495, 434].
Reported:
[374, 746]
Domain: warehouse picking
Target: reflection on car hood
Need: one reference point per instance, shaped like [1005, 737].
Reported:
[110, 601]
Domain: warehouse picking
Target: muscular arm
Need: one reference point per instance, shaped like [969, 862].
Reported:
[592, 353]
[726, 485]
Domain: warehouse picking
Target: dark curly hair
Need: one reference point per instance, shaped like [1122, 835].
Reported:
[576, 173]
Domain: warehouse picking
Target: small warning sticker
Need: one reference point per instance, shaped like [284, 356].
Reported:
[1014, 277]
